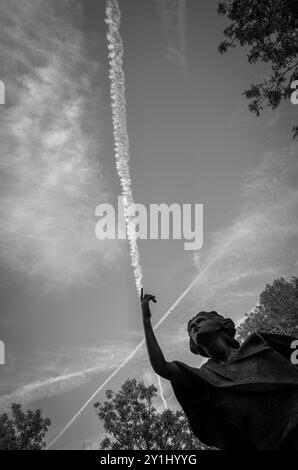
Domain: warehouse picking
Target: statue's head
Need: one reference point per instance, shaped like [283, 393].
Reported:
[204, 326]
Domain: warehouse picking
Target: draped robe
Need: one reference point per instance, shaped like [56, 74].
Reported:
[250, 402]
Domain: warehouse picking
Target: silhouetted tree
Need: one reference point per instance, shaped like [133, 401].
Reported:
[132, 422]
[277, 311]
[23, 430]
[268, 29]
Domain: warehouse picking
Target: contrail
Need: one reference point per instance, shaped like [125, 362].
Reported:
[161, 391]
[73, 419]
[117, 77]
[138, 347]
[172, 14]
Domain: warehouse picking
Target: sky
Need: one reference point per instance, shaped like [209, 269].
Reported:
[69, 312]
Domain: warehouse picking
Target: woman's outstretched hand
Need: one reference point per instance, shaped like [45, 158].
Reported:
[168, 370]
[145, 299]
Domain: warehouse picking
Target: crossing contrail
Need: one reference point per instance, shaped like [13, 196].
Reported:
[139, 346]
[115, 45]
[161, 391]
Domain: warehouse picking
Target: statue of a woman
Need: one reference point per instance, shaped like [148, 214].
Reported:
[243, 397]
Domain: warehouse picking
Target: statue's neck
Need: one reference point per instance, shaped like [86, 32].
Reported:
[219, 350]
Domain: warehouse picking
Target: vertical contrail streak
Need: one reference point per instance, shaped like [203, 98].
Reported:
[117, 77]
[138, 347]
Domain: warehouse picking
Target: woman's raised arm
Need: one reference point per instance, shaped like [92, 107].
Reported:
[165, 369]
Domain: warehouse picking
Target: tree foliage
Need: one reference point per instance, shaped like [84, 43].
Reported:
[23, 430]
[132, 422]
[277, 311]
[268, 29]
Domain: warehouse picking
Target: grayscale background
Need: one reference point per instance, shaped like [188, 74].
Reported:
[69, 312]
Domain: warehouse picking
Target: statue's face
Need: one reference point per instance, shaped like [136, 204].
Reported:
[201, 329]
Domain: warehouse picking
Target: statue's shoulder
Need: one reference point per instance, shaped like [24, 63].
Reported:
[280, 343]
[185, 367]
[254, 344]
[193, 380]
[191, 373]
[260, 341]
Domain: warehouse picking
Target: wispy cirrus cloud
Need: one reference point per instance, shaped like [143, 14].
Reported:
[172, 15]
[51, 176]
[258, 247]
[52, 372]
[261, 244]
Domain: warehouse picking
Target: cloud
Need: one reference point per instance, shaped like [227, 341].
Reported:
[54, 372]
[51, 176]
[261, 243]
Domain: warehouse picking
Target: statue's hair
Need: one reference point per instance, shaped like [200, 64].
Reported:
[226, 325]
